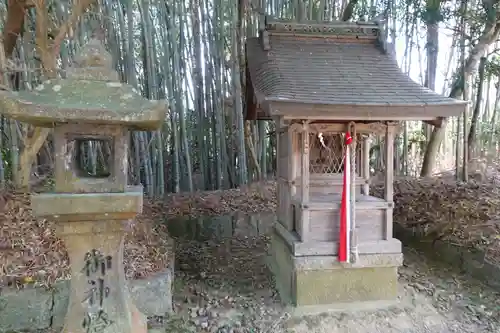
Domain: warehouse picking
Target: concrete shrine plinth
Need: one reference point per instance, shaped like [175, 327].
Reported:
[304, 278]
[92, 226]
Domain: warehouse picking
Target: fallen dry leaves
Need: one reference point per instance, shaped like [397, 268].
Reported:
[29, 249]
[438, 208]
[465, 214]
[30, 252]
[256, 197]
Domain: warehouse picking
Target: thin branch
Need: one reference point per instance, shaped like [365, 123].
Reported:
[14, 23]
[42, 41]
[78, 10]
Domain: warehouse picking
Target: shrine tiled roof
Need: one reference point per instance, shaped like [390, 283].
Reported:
[342, 67]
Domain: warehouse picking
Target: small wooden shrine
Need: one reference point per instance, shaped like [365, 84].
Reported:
[319, 81]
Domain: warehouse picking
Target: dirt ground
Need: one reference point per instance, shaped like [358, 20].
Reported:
[223, 286]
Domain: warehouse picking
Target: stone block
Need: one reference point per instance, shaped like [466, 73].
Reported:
[328, 286]
[38, 308]
[153, 296]
[61, 302]
[88, 206]
[279, 261]
[470, 261]
[322, 280]
[29, 308]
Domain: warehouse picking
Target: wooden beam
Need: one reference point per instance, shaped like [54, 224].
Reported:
[304, 172]
[389, 179]
[300, 249]
[294, 110]
[293, 167]
[335, 205]
[332, 127]
[280, 176]
[366, 165]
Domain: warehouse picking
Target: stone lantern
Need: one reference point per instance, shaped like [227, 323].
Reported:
[90, 212]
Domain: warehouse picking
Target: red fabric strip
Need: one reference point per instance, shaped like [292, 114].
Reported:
[343, 210]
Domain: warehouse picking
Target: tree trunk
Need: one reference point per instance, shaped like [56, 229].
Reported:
[493, 122]
[15, 21]
[490, 34]
[14, 24]
[472, 138]
[433, 17]
[251, 150]
[349, 10]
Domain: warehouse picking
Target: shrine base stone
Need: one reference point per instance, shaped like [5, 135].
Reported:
[322, 280]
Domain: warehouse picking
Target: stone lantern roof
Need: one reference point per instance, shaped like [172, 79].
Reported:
[91, 93]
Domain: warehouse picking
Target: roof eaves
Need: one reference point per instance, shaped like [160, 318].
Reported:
[312, 102]
[430, 113]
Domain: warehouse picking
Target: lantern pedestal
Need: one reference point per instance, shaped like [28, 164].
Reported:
[92, 228]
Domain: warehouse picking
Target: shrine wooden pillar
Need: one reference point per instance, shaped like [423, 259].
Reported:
[366, 165]
[389, 178]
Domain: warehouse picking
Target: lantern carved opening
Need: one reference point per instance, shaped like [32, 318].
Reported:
[69, 142]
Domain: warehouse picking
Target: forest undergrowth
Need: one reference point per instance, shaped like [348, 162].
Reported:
[467, 214]
[224, 287]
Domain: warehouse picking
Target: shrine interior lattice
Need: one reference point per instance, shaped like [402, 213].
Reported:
[327, 153]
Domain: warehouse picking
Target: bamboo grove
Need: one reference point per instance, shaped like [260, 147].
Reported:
[191, 53]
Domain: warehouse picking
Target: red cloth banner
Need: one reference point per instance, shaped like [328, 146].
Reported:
[345, 218]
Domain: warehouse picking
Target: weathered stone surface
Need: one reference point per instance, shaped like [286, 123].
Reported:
[280, 263]
[89, 219]
[68, 176]
[98, 294]
[37, 308]
[92, 227]
[61, 301]
[153, 296]
[94, 206]
[471, 262]
[321, 280]
[29, 308]
[346, 285]
[217, 227]
[89, 94]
